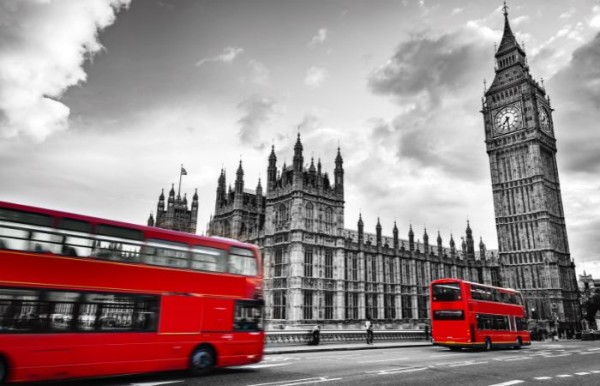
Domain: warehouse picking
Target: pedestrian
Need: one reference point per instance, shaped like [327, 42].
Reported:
[369, 329]
[316, 335]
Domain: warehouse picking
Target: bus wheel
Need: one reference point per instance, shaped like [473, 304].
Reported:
[202, 360]
[452, 348]
[517, 345]
[488, 344]
[3, 370]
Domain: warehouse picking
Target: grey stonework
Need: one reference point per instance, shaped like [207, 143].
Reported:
[316, 271]
[532, 238]
[174, 214]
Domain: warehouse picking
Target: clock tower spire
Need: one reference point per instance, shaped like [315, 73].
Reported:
[530, 222]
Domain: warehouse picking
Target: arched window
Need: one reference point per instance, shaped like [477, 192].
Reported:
[328, 220]
[308, 220]
[282, 215]
[226, 229]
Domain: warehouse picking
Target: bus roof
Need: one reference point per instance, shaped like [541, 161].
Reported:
[148, 230]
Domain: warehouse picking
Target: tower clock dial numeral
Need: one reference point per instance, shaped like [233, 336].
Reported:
[508, 119]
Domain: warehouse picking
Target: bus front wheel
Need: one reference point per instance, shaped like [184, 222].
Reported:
[488, 344]
[518, 344]
[3, 370]
[202, 360]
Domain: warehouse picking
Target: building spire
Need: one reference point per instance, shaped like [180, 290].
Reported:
[508, 41]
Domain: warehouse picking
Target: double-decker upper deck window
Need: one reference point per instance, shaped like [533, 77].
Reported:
[126, 233]
[208, 259]
[242, 262]
[12, 215]
[167, 253]
[446, 292]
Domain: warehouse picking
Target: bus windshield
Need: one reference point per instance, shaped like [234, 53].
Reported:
[446, 292]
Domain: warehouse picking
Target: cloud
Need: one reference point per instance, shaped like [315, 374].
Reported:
[315, 76]
[576, 89]
[319, 38]
[259, 111]
[260, 73]
[43, 46]
[427, 76]
[228, 55]
[595, 20]
[430, 67]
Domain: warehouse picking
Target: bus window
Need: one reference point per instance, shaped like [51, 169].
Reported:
[78, 246]
[115, 249]
[18, 310]
[166, 253]
[13, 238]
[45, 242]
[248, 315]
[12, 215]
[446, 292]
[242, 262]
[208, 259]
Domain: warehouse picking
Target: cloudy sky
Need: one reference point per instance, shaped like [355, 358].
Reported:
[102, 100]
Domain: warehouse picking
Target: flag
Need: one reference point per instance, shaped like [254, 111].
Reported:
[183, 171]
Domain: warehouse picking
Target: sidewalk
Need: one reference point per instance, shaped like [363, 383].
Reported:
[274, 350]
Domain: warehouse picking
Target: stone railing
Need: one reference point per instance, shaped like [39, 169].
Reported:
[301, 337]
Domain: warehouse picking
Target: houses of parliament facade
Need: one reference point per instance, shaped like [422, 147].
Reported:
[317, 271]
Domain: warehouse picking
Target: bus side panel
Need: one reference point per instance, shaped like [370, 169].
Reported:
[218, 325]
[180, 314]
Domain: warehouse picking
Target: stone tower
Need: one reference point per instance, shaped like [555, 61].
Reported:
[303, 240]
[175, 215]
[530, 222]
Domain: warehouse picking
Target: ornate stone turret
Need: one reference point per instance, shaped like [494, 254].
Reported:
[411, 239]
[339, 173]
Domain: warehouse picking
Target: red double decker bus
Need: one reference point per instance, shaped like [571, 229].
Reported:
[83, 296]
[471, 315]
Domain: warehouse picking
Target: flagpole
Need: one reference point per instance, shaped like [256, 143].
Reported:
[180, 174]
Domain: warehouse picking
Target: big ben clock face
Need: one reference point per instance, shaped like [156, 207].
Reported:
[508, 119]
[544, 119]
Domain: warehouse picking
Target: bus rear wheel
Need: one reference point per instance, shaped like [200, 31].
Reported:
[488, 344]
[3, 370]
[202, 360]
[518, 344]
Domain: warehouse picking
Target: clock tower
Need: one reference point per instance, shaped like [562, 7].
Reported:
[532, 238]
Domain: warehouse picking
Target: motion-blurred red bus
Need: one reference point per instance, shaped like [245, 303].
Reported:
[83, 296]
[471, 315]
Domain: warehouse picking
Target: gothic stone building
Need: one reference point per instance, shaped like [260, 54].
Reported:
[530, 221]
[176, 216]
[318, 272]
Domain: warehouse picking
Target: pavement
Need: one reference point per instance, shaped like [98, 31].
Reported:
[274, 350]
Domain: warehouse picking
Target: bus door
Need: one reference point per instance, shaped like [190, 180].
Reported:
[248, 327]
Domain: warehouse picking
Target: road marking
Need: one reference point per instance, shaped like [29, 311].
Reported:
[516, 381]
[595, 371]
[542, 378]
[385, 360]
[593, 349]
[582, 373]
[557, 355]
[443, 355]
[467, 364]
[588, 353]
[153, 383]
[564, 376]
[386, 372]
[517, 359]
[265, 365]
[302, 381]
